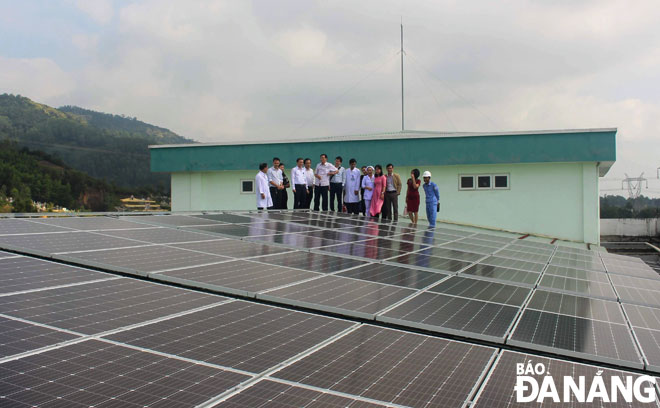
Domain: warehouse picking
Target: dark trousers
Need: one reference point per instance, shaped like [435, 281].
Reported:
[353, 208]
[284, 199]
[336, 189]
[308, 197]
[300, 196]
[391, 205]
[363, 206]
[321, 192]
[275, 196]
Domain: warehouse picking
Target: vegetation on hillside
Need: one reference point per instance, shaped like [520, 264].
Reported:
[27, 176]
[108, 147]
[615, 206]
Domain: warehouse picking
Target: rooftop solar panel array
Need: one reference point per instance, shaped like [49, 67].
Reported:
[71, 335]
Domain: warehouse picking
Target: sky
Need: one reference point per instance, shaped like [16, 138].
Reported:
[219, 70]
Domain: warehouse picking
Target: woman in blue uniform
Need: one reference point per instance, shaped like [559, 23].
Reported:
[432, 198]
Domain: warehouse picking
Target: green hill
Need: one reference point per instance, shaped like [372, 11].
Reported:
[27, 175]
[108, 147]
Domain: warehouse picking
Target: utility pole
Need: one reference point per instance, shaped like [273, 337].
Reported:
[402, 114]
[634, 185]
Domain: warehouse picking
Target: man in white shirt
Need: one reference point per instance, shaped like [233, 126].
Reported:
[322, 173]
[337, 185]
[264, 199]
[275, 182]
[352, 188]
[311, 181]
[299, 182]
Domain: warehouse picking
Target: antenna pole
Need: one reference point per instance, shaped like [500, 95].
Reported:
[402, 114]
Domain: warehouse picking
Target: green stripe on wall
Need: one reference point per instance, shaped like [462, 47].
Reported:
[500, 149]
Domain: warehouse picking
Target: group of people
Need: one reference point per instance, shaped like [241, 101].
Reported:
[367, 190]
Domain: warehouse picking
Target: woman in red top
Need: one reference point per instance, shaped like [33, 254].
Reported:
[412, 196]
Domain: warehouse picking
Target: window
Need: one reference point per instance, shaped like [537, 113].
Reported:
[483, 182]
[466, 183]
[247, 186]
[501, 181]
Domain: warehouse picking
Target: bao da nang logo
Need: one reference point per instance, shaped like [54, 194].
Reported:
[535, 384]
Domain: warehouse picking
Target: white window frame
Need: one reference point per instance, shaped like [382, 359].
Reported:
[474, 182]
[240, 186]
[490, 185]
[508, 181]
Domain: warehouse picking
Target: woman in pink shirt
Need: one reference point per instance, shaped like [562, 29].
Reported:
[379, 191]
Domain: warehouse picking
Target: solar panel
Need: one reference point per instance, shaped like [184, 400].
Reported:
[426, 237]
[233, 230]
[142, 260]
[312, 262]
[482, 290]
[468, 247]
[232, 248]
[451, 254]
[583, 327]
[334, 235]
[594, 265]
[21, 226]
[96, 373]
[230, 218]
[640, 271]
[432, 263]
[160, 235]
[97, 307]
[89, 223]
[454, 315]
[578, 286]
[505, 275]
[362, 251]
[53, 243]
[23, 274]
[297, 241]
[276, 394]
[517, 246]
[498, 389]
[513, 264]
[241, 335]
[535, 244]
[284, 227]
[592, 276]
[645, 322]
[384, 365]
[171, 220]
[394, 275]
[18, 337]
[474, 239]
[238, 277]
[339, 295]
[638, 296]
[523, 256]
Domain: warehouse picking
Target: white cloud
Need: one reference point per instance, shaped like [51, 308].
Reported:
[40, 79]
[85, 42]
[100, 11]
[305, 46]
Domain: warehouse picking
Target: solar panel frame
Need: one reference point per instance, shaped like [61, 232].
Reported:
[339, 295]
[602, 290]
[233, 248]
[98, 373]
[440, 313]
[478, 289]
[18, 337]
[361, 363]
[494, 260]
[159, 235]
[23, 274]
[89, 223]
[311, 261]
[19, 226]
[142, 260]
[48, 244]
[97, 307]
[523, 256]
[241, 335]
[501, 274]
[394, 275]
[429, 263]
[237, 277]
[563, 334]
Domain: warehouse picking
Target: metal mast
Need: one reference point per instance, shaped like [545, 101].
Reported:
[402, 115]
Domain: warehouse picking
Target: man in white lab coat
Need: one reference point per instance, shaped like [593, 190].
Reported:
[262, 188]
[352, 188]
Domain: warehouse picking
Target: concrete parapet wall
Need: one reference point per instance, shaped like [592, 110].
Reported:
[629, 227]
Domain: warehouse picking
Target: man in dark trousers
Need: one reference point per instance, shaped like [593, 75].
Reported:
[299, 185]
[275, 182]
[392, 191]
[337, 185]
